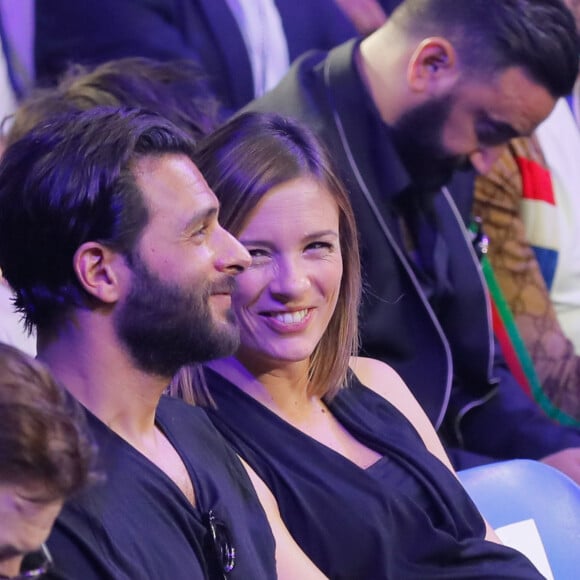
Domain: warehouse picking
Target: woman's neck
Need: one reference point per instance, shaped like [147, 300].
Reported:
[283, 390]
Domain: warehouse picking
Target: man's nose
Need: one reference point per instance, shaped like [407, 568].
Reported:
[233, 257]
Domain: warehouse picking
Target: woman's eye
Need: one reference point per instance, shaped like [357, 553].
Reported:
[319, 246]
[259, 256]
[256, 253]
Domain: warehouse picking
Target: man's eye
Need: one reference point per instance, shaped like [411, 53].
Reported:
[491, 139]
[200, 232]
[491, 135]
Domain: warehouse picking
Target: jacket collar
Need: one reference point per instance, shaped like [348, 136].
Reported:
[362, 123]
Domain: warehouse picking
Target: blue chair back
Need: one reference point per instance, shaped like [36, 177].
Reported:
[521, 489]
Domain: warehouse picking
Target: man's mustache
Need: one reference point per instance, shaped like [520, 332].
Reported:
[225, 285]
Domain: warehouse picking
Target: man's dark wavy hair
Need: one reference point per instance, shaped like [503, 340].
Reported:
[491, 35]
[67, 182]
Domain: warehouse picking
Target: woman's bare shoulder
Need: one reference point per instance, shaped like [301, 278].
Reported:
[386, 382]
[379, 377]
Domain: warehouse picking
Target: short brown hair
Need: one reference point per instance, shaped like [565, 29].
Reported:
[42, 429]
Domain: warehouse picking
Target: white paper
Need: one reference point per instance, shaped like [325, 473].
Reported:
[525, 537]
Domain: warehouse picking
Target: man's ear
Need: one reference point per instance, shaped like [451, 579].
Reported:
[97, 269]
[433, 66]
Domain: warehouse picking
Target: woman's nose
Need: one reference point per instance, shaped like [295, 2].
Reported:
[290, 279]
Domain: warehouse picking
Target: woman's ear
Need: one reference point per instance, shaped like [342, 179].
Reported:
[97, 269]
[432, 68]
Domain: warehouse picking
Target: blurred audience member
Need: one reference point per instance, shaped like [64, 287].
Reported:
[244, 46]
[175, 89]
[16, 75]
[529, 204]
[7, 94]
[366, 15]
[530, 223]
[12, 329]
[45, 458]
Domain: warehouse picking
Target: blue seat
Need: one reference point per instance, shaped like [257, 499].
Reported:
[512, 491]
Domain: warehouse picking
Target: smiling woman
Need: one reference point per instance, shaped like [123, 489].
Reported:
[352, 460]
[312, 212]
[285, 301]
[290, 292]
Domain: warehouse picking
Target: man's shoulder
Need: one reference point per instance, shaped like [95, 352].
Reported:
[303, 92]
[194, 436]
[303, 95]
[169, 404]
[173, 413]
[119, 535]
[133, 498]
[297, 93]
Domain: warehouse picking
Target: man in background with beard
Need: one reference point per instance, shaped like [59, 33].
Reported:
[109, 238]
[441, 86]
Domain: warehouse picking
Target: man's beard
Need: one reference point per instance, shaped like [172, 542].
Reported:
[417, 136]
[165, 327]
